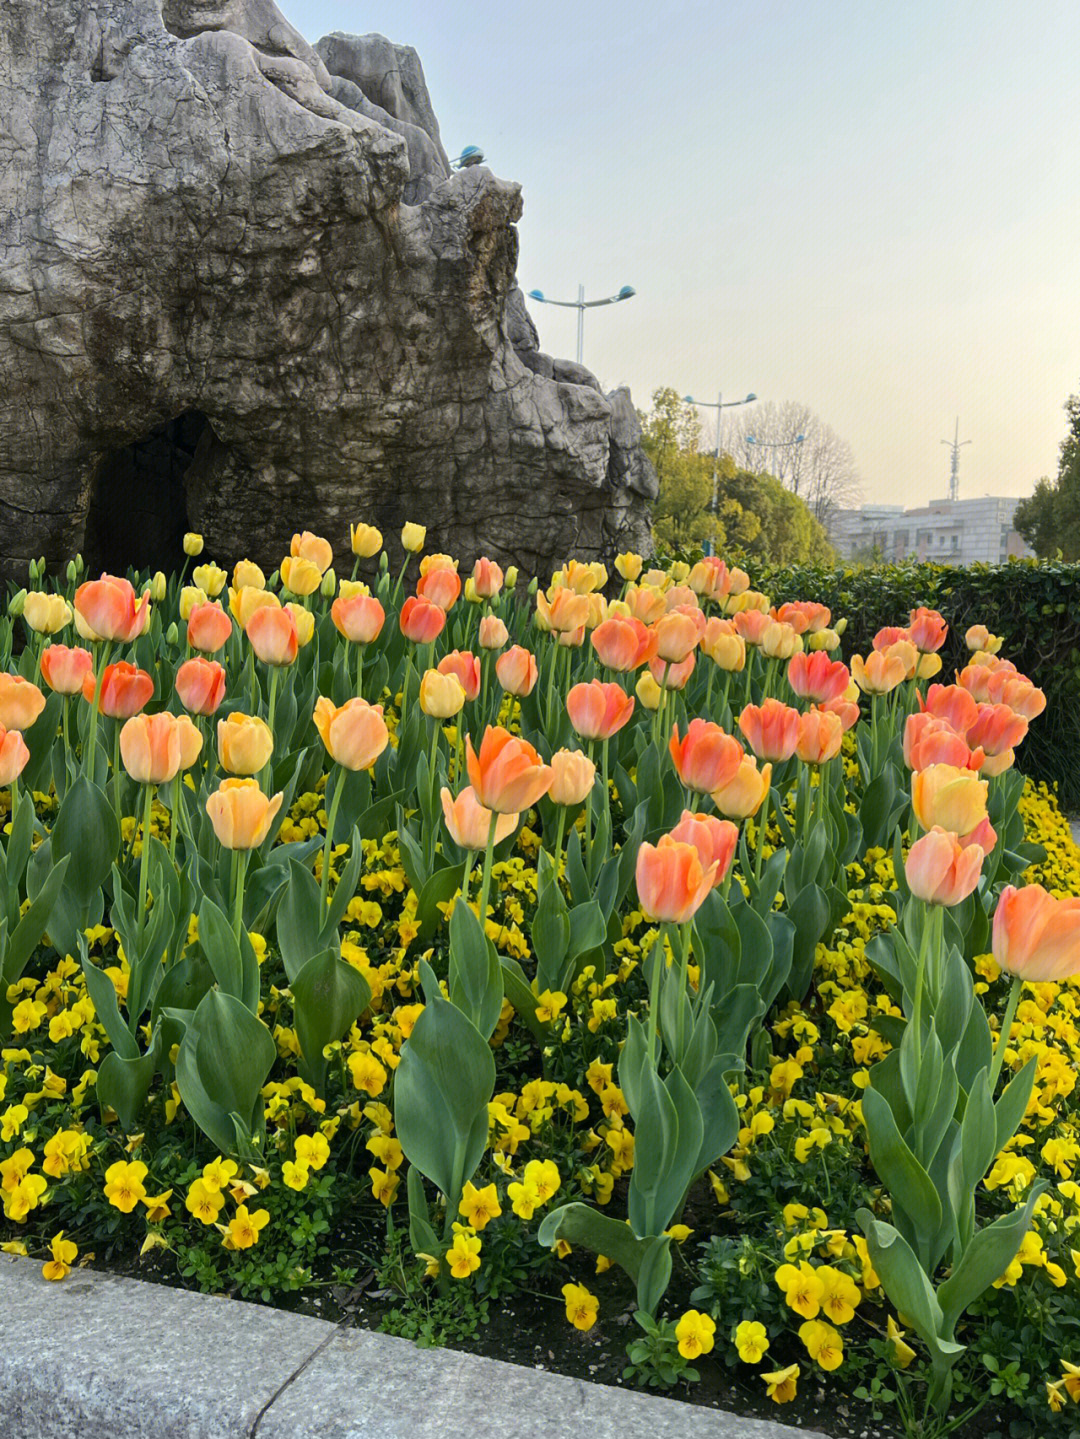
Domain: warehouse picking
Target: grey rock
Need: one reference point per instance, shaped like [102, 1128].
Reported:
[242, 292]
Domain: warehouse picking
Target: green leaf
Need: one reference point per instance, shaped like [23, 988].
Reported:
[299, 919]
[87, 829]
[905, 1282]
[550, 938]
[218, 942]
[911, 1187]
[103, 997]
[985, 1259]
[123, 1084]
[223, 1062]
[16, 950]
[475, 977]
[328, 995]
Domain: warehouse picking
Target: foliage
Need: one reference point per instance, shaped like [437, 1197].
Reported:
[1049, 520]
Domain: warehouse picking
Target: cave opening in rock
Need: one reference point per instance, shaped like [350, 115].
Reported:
[138, 506]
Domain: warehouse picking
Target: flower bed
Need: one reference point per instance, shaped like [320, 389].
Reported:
[626, 951]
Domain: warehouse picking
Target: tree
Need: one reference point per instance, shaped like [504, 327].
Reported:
[820, 468]
[682, 515]
[789, 533]
[1049, 520]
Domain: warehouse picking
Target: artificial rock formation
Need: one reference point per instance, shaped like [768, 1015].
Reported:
[242, 291]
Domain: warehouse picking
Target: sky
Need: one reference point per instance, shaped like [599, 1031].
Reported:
[871, 209]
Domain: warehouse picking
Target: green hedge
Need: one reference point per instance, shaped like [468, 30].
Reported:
[1033, 604]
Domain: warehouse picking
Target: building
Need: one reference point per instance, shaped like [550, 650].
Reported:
[949, 532]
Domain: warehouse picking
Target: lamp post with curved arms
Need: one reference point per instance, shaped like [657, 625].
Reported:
[581, 305]
[794, 444]
[720, 406]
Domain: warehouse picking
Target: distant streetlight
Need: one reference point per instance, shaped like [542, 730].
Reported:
[581, 305]
[782, 445]
[720, 406]
[471, 155]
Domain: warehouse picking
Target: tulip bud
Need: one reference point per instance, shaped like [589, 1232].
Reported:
[16, 603]
[647, 691]
[80, 564]
[158, 587]
[493, 633]
[34, 572]
[573, 775]
[172, 634]
[534, 585]
[413, 537]
[72, 572]
[366, 541]
[246, 572]
[329, 584]
[384, 563]
[193, 544]
[510, 579]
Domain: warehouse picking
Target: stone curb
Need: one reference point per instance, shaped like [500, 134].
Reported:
[98, 1355]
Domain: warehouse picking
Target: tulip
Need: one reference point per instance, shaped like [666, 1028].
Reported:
[648, 691]
[311, 547]
[201, 686]
[46, 614]
[724, 645]
[437, 561]
[469, 822]
[929, 740]
[20, 702]
[440, 587]
[358, 617]
[804, 616]
[890, 635]
[598, 710]
[329, 584]
[657, 579]
[847, 709]
[273, 635]
[997, 728]
[623, 643]
[751, 625]
[646, 603]
[465, 667]
[714, 839]
[304, 621]
[210, 579]
[629, 565]
[676, 637]
[742, 797]
[354, 733]
[954, 799]
[109, 609]
[780, 641]
[64, 669]
[510, 582]
[561, 611]
[442, 695]
[816, 677]
[209, 627]
[909, 657]
[245, 601]
[421, 621]
[978, 637]
[953, 704]
[150, 748]
[190, 598]
[300, 576]
[823, 640]
[365, 540]
[247, 574]
[683, 599]
[1037, 937]
[487, 577]
[193, 544]
[241, 814]
[572, 639]
[573, 776]
[245, 744]
[879, 673]
[493, 633]
[13, 756]
[940, 871]
[821, 733]
[1018, 692]
[508, 774]
[191, 741]
[583, 579]
[671, 676]
[125, 690]
[927, 629]
[771, 730]
[671, 880]
[707, 758]
[517, 671]
[413, 537]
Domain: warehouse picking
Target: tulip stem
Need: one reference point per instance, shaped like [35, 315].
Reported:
[708, 690]
[1005, 1031]
[144, 862]
[331, 821]
[89, 764]
[14, 801]
[360, 669]
[116, 774]
[684, 986]
[174, 818]
[240, 864]
[560, 830]
[272, 703]
[470, 859]
[763, 824]
[489, 854]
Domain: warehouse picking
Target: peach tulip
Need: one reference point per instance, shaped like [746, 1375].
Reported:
[623, 643]
[561, 611]
[354, 733]
[20, 702]
[847, 709]
[1037, 937]
[191, 740]
[246, 600]
[714, 839]
[996, 729]
[273, 635]
[751, 625]
[508, 774]
[1018, 692]
[646, 603]
[879, 673]
[952, 798]
[487, 578]
[440, 587]
[109, 610]
[241, 814]
[358, 617]
[672, 882]
[672, 676]
[941, 871]
[821, 733]
[771, 730]
[493, 633]
[929, 740]
[724, 645]
[300, 576]
[313, 548]
[421, 621]
[573, 774]
[465, 668]
[598, 710]
[780, 641]
[814, 676]
[125, 690]
[64, 669]
[804, 616]
[245, 744]
[200, 683]
[517, 671]
[208, 627]
[707, 758]
[150, 746]
[927, 629]
[469, 822]
[676, 637]
[742, 797]
[13, 756]
[890, 635]
[952, 703]
[441, 695]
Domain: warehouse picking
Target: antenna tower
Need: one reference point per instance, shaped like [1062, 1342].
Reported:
[956, 444]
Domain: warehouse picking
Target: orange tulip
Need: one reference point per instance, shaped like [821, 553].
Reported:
[771, 730]
[63, 669]
[300, 576]
[441, 695]
[440, 587]
[20, 702]
[743, 796]
[879, 673]
[952, 703]
[847, 709]
[646, 603]
[940, 871]
[359, 618]
[273, 635]
[247, 599]
[125, 690]
[954, 799]
[1036, 936]
[927, 629]
[354, 733]
[487, 578]
[201, 685]
[150, 747]
[493, 633]
[1018, 692]
[751, 625]
[469, 822]
[724, 645]
[997, 728]
[804, 616]
[714, 839]
[779, 641]
[929, 740]
[821, 733]
[561, 611]
[623, 643]
[677, 635]
[706, 758]
[436, 561]
[508, 774]
[421, 621]
[13, 756]
[465, 668]
[241, 814]
[313, 548]
[517, 671]
[245, 744]
[814, 676]
[109, 610]
[672, 676]
[671, 880]
[598, 710]
[889, 636]
[208, 627]
[573, 774]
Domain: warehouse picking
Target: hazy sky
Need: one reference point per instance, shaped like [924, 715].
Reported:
[872, 209]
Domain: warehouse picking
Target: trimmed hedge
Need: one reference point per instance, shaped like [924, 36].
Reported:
[1033, 604]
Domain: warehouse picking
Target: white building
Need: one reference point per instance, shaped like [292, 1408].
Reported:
[949, 532]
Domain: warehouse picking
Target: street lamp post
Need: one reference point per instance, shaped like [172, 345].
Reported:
[581, 305]
[782, 445]
[720, 406]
